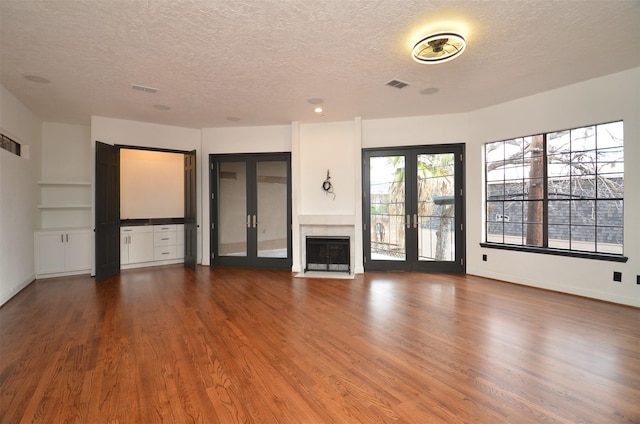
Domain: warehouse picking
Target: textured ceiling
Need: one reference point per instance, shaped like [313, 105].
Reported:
[258, 61]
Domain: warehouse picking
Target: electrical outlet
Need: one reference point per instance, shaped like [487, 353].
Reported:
[484, 258]
[617, 276]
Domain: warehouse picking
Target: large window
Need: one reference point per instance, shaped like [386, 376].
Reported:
[559, 192]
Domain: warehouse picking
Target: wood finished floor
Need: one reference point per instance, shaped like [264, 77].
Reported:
[222, 345]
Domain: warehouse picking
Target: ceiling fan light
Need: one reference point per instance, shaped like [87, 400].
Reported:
[439, 47]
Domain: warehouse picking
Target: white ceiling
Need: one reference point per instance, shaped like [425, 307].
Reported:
[259, 61]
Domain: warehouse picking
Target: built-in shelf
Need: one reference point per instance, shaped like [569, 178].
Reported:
[64, 203]
[64, 206]
[63, 183]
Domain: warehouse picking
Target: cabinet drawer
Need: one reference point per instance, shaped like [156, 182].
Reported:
[164, 238]
[161, 253]
[138, 229]
[164, 228]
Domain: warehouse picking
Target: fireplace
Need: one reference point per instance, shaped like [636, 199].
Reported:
[328, 254]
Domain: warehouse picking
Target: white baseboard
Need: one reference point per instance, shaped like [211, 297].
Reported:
[17, 289]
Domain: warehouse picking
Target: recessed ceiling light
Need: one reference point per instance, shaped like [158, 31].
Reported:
[439, 47]
[430, 90]
[318, 110]
[315, 101]
[36, 78]
[161, 107]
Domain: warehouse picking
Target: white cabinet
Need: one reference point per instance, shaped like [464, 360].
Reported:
[166, 242]
[63, 252]
[149, 245]
[136, 244]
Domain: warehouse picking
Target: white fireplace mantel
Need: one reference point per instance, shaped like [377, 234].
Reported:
[331, 220]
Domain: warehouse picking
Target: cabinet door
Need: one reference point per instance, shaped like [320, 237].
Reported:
[50, 252]
[140, 248]
[124, 249]
[77, 250]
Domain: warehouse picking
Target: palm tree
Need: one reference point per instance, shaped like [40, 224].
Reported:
[435, 180]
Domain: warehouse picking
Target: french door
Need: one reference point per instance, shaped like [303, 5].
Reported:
[414, 209]
[251, 210]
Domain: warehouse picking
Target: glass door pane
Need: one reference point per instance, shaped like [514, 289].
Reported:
[436, 207]
[271, 183]
[232, 205]
[387, 217]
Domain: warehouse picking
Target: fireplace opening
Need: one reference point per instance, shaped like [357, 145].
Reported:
[328, 254]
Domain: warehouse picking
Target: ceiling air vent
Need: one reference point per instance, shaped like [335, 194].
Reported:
[397, 84]
[145, 89]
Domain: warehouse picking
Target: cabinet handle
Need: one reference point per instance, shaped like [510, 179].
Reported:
[408, 221]
[248, 221]
[167, 238]
[415, 220]
[61, 238]
[255, 221]
[67, 237]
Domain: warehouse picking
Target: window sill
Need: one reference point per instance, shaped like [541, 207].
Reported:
[557, 252]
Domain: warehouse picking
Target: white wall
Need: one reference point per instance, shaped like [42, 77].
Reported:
[327, 147]
[18, 195]
[415, 130]
[62, 145]
[600, 100]
[141, 134]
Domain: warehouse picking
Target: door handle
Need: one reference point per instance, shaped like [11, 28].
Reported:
[255, 221]
[248, 221]
[415, 220]
[408, 221]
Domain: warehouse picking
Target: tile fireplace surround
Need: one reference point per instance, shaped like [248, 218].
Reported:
[326, 226]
